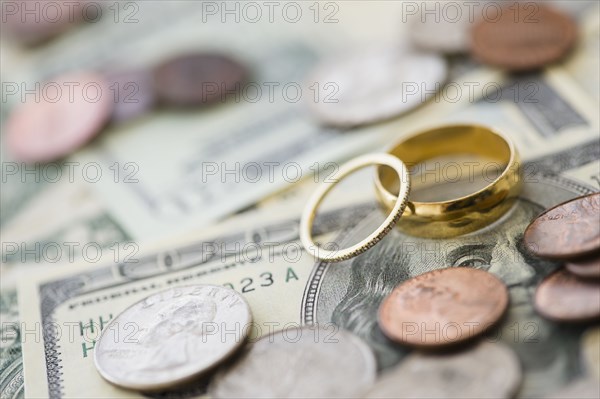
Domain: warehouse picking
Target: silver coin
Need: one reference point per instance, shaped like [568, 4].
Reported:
[590, 351]
[484, 371]
[375, 85]
[300, 363]
[172, 336]
[447, 31]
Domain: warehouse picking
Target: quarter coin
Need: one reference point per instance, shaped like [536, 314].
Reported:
[172, 336]
[523, 36]
[443, 307]
[563, 297]
[487, 370]
[568, 230]
[300, 363]
[67, 113]
[198, 79]
[375, 85]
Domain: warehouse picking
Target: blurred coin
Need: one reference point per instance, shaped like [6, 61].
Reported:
[67, 113]
[523, 36]
[32, 23]
[590, 351]
[198, 79]
[443, 307]
[484, 371]
[300, 363]
[177, 334]
[132, 93]
[568, 230]
[586, 268]
[375, 85]
[564, 297]
[446, 33]
[579, 389]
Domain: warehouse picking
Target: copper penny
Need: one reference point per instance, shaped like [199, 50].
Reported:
[32, 23]
[198, 79]
[568, 230]
[443, 307]
[523, 36]
[564, 297]
[68, 112]
[586, 268]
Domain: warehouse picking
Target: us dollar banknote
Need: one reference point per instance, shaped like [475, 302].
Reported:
[74, 304]
[11, 358]
[550, 116]
[271, 138]
[264, 262]
[73, 307]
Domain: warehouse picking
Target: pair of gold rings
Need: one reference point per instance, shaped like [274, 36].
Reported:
[441, 219]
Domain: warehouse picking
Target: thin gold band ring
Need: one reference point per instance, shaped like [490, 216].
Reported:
[396, 210]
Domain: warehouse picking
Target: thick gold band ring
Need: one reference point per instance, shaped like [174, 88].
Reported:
[396, 209]
[460, 215]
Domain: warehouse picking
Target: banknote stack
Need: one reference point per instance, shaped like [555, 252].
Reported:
[157, 157]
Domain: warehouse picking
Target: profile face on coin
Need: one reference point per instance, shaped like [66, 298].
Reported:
[443, 307]
[178, 334]
[523, 36]
[375, 85]
[563, 296]
[568, 230]
[198, 79]
[297, 362]
[70, 111]
[486, 370]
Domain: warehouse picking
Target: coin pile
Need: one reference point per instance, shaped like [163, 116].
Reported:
[56, 124]
[379, 84]
[570, 233]
[184, 333]
[202, 333]
[521, 36]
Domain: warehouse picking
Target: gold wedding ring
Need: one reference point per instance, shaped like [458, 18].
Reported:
[397, 207]
[460, 215]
